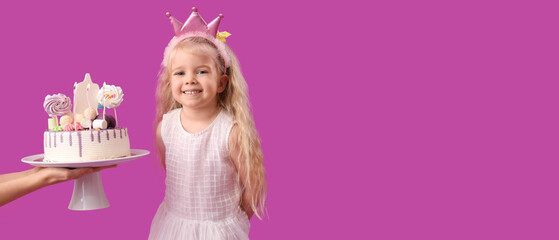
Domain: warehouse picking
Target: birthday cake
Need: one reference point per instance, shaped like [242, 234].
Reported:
[82, 133]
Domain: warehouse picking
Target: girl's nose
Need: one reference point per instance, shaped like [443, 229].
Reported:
[191, 81]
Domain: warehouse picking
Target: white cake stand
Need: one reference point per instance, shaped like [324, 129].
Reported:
[88, 190]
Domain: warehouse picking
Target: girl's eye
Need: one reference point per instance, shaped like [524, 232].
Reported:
[179, 73]
[202, 72]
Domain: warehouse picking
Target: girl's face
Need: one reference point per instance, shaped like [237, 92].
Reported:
[195, 79]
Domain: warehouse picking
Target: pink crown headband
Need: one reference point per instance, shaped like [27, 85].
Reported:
[195, 26]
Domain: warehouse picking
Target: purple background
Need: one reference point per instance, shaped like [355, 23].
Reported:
[392, 120]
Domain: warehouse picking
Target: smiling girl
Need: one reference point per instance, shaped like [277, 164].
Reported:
[208, 144]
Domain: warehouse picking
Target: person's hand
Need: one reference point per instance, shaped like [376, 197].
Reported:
[54, 175]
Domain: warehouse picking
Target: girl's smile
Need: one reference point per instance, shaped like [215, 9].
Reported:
[192, 92]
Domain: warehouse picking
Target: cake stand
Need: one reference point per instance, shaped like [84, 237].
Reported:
[88, 190]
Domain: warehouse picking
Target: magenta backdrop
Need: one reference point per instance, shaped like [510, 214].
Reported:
[388, 120]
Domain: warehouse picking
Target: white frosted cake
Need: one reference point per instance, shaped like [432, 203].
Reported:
[86, 145]
[83, 134]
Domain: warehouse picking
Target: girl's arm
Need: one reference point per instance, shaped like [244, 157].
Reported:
[38, 178]
[234, 150]
[160, 146]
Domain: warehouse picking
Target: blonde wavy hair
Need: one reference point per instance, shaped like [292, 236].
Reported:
[235, 100]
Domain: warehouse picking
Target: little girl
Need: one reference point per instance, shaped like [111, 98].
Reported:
[206, 138]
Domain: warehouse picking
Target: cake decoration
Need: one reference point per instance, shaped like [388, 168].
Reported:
[57, 129]
[86, 122]
[84, 135]
[100, 124]
[56, 105]
[82, 94]
[79, 117]
[75, 103]
[90, 113]
[110, 96]
[111, 121]
[66, 119]
[73, 126]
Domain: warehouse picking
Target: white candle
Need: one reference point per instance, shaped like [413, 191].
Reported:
[75, 88]
[104, 108]
[88, 104]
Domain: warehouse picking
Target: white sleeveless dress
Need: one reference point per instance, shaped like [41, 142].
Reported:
[202, 192]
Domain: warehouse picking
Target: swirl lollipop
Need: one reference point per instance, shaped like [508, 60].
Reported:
[56, 105]
[110, 96]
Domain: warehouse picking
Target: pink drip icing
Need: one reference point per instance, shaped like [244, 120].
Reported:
[80, 142]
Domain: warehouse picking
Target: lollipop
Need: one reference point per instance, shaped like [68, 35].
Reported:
[110, 96]
[56, 105]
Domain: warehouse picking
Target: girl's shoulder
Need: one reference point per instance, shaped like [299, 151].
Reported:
[227, 116]
[167, 120]
[171, 113]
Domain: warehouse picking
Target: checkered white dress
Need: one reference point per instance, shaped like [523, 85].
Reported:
[202, 192]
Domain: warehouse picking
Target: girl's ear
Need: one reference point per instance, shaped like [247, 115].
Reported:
[222, 83]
